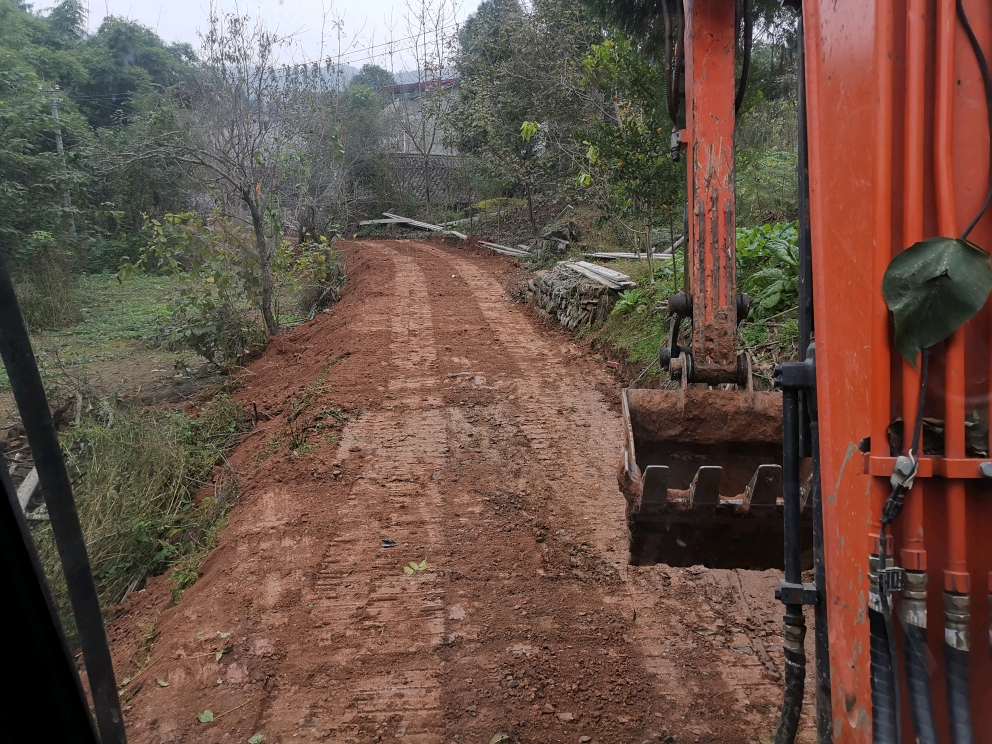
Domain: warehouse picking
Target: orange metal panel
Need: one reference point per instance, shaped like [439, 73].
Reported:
[709, 72]
[878, 172]
[842, 102]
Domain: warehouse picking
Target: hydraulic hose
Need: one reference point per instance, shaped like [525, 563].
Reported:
[795, 677]
[794, 622]
[883, 686]
[956, 657]
[824, 707]
[914, 630]
[29, 394]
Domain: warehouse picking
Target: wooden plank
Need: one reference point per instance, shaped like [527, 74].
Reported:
[621, 280]
[415, 223]
[618, 256]
[504, 249]
[389, 221]
[457, 234]
[27, 488]
[611, 273]
[599, 278]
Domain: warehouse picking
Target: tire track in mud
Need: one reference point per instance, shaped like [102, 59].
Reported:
[375, 616]
[714, 649]
[479, 442]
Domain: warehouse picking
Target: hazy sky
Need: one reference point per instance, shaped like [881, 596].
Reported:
[366, 30]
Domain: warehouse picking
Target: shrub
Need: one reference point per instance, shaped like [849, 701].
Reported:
[768, 267]
[629, 300]
[44, 283]
[137, 475]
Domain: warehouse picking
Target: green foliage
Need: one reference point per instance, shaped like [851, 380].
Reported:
[219, 289]
[627, 154]
[219, 284]
[135, 475]
[373, 77]
[521, 101]
[933, 288]
[106, 80]
[629, 300]
[768, 267]
[637, 335]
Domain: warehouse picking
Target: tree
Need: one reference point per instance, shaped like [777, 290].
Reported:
[522, 98]
[374, 77]
[628, 150]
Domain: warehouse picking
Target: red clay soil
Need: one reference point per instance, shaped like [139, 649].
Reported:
[481, 441]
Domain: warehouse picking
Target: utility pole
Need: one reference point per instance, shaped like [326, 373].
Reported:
[53, 92]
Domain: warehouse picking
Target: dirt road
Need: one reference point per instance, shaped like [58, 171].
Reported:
[486, 445]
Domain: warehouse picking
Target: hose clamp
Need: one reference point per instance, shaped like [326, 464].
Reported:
[904, 472]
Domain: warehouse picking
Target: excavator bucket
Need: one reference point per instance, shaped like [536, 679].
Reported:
[701, 477]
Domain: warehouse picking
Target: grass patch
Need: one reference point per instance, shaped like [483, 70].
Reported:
[115, 320]
[146, 493]
[639, 321]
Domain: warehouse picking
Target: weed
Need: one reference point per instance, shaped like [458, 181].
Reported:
[136, 482]
[629, 300]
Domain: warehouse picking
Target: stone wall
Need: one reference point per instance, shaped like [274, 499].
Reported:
[570, 298]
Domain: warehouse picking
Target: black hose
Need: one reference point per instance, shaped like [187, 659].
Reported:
[883, 689]
[824, 706]
[958, 694]
[917, 674]
[956, 656]
[795, 681]
[29, 394]
[794, 622]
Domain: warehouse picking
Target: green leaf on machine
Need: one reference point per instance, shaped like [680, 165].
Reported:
[933, 288]
[206, 716]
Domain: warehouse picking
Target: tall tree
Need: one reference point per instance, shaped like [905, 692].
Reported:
[374, 77]
[522, 98]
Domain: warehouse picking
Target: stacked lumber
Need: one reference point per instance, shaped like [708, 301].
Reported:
[518, 252]
[600, 274]
[397, 219]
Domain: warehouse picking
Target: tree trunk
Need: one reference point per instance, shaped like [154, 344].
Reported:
[530, 208]
[265, 264]
[427, 185]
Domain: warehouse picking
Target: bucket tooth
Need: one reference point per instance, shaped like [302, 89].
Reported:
[705, 488]
[764, 488]
[654, 496]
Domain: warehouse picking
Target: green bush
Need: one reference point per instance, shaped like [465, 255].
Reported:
[135, 474]
[44, 289]
[629, 300]
[768, 267]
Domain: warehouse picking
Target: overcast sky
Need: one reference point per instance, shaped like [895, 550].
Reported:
[366, 30]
